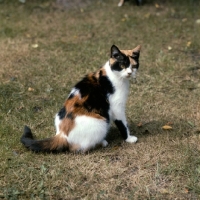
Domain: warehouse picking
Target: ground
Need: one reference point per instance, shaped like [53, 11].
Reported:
[47, 46]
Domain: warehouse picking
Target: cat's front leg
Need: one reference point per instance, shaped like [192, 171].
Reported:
[124, 130]
[131, 139]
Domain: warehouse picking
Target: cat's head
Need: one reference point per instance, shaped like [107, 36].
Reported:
[125, 63]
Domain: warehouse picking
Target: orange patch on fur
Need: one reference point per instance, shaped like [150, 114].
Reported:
[74, 147]
[66, 125]
[132, 61]
[103, 72]
[112, 61]
[58, 142]
[130, 52]
[75, 107]
[93, 78]
[79, 110]
[127, 52]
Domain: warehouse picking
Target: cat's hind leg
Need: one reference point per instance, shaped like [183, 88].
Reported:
[104, 143]
[88, 133]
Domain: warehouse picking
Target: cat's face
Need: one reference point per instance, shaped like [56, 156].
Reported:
[124, 63]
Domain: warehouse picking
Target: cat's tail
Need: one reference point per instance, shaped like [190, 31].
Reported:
[55, 144]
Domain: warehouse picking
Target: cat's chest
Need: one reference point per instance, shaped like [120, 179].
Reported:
[121, 93]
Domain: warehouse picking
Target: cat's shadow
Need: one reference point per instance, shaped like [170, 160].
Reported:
[152, 128]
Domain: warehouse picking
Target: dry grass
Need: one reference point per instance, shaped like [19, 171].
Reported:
[71, 42]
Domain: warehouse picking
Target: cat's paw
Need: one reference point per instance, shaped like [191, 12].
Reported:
[131, 139]
[104, 143]
[120, 4]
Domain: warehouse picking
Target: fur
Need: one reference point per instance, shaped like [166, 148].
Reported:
[93, 103]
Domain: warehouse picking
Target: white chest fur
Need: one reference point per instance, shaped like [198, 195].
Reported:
[121, 90]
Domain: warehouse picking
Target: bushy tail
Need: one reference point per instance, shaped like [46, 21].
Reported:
[55, 144]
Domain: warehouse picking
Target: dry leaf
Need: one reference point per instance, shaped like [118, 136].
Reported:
[167, 127]
[164, 191]
[31, 89]
[35, 46]
[169, 48]
[186, 190]
[157, 6]
[139, 124]
[189, 43]
[198, 21]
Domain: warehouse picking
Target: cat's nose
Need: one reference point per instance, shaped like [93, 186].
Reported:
[129, 73]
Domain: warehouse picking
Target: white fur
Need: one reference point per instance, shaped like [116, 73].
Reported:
[57, 123]
[88, 132]
[118, 100]
[134, 73]
[131, 139]
[74, 91]
[104, 143]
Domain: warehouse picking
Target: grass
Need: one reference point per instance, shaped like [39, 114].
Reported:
[46, 49]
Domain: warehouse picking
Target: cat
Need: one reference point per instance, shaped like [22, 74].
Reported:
[93, 103]
[121, 2]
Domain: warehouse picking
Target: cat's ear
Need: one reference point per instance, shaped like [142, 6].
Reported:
[115, 52]
[136, 51]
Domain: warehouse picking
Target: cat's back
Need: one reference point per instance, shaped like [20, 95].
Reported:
[90, 95]
[95, 84]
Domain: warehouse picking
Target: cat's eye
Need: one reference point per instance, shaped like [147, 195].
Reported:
[122, 66]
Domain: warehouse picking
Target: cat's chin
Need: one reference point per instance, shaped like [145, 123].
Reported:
[131, 76]
[128, 76]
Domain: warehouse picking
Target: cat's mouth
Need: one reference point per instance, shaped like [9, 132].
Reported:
[129, 75]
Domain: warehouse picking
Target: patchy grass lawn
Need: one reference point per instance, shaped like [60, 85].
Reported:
[46, 49]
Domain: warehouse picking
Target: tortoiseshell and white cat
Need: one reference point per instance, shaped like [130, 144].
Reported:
[95, 101]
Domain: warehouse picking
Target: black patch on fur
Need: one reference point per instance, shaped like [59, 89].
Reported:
[94, 78]
[122, 61]
[122, 128]
[139, 2]
[70, 116]
[97, 91]
[71, 96]
[28, 141]
[37, 145]
[62, 113]
[135, 57]
[119, 64]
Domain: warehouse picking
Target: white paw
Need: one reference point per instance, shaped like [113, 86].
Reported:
[119, 4]
[104, 143]
[131, 139]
